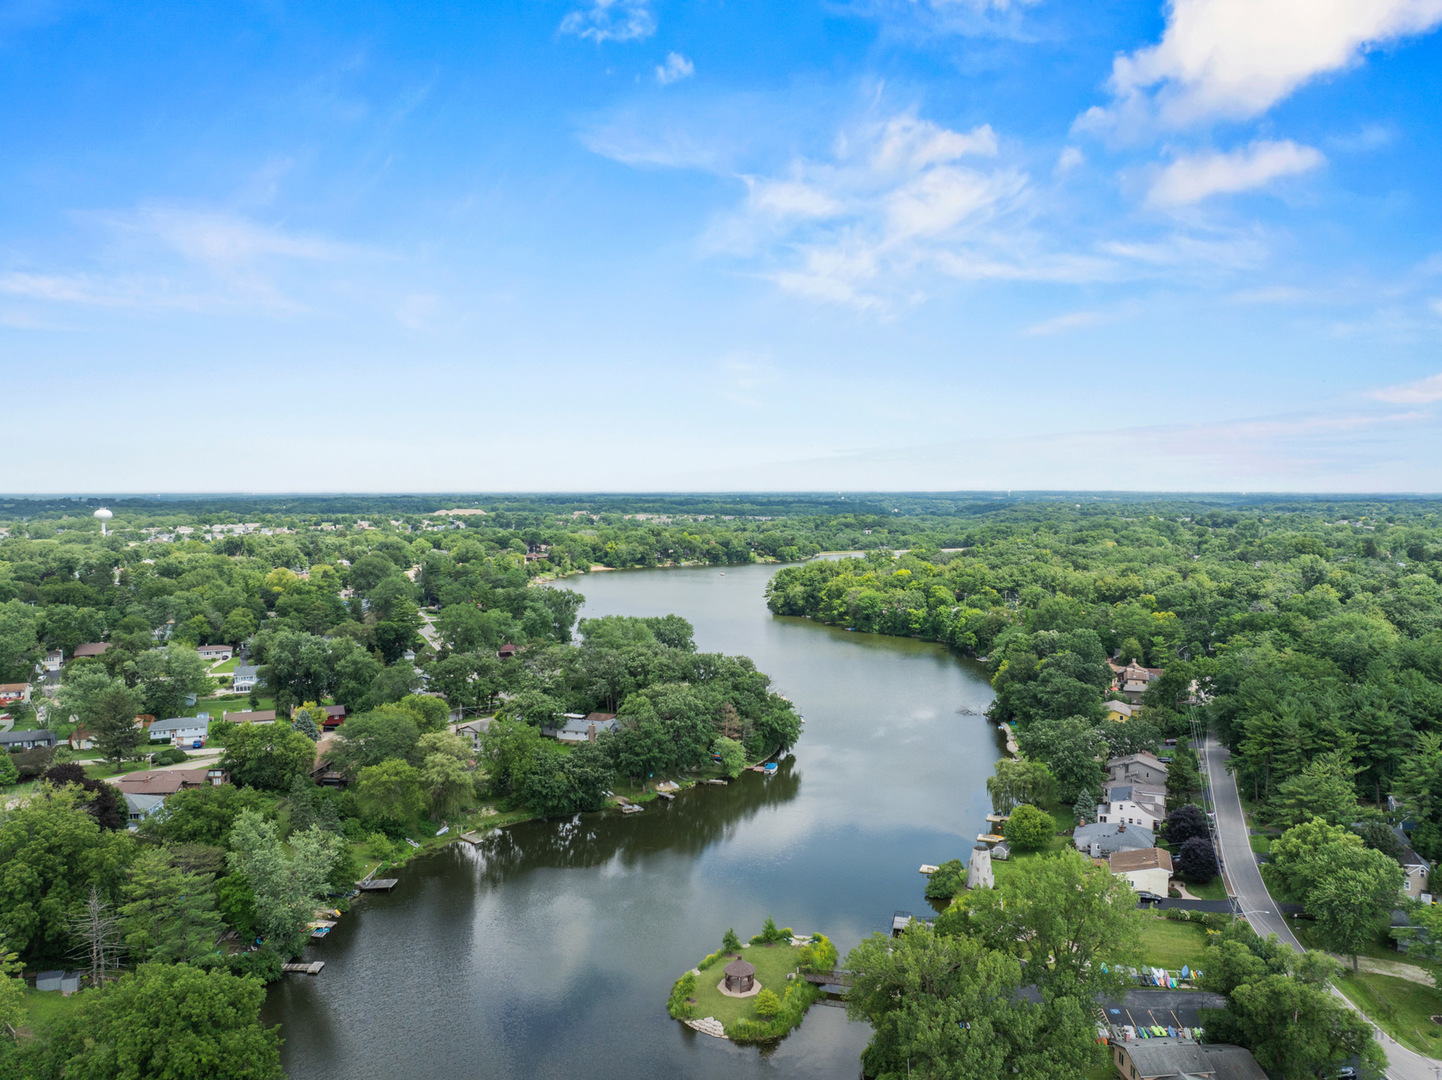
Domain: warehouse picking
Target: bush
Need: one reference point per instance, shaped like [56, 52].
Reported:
[731, 943]
[819, 955]
[9, 774]
[677, 1005]
[1029, 829]
[948, 880]
[767, 1003]
[770, 934]
[264, 964]
[173, 755]
[794, 1003]
[1197, 861]
[709, 961]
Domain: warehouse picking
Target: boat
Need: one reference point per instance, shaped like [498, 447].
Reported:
[769, 768]
[443, 830]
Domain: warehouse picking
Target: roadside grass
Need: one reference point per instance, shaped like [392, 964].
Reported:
[1400, 1008]
[44, 1009]
[1216, 889]
[1260, 844]
[1168, 944]
[772, 962]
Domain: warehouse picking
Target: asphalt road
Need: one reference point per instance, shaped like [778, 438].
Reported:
[1244, 882]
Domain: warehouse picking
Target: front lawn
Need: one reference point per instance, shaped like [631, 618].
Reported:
[1216, 889]
[1170, 944]
[1402, 1009]
[43, 1009]
[772, 962]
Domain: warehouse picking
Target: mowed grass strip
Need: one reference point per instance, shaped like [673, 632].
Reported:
[1401, 1008]
[1168, 944]
[773, 963]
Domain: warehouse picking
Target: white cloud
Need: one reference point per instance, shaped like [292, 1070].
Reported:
[611, 20]
[1074, 320]
[1069, 159]
[1237, 58]
[676, 68]
[1194, 177]
[1422, 392]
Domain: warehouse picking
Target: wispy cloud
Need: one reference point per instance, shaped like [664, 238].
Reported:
[1422, 392]
[1194, 177]
[1237, 58]
[1074, 320]
[676, 68]
[972, 18]
[611, 20]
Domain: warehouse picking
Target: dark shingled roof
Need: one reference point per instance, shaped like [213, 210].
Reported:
[1219, 1061]
[739, 968]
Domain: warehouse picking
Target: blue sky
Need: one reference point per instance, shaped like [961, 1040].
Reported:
[653, 244]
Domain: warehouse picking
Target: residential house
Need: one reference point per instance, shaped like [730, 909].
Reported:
[472, 730]
[334, 717]
[14, 691]
[82, 739]
[1133, 804]
[1142, 768]
[246, 679]
[181, 731]
[1118, 710]
[1174, 1059]
[506, 651]
[1147, 870]
[90, 648]
[213, 653]
[1098, 840]
[1415, 869]
[169, 781]
[139, 806]
[248, 716]
[27, 740]
[1132, 680]
[54, 660]
[583, 728]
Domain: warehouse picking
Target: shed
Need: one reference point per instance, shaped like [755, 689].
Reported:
[740, 976]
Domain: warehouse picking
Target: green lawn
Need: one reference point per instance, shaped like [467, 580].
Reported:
[1216, 889]
[1260, 844]
[772, 962]
[226, 667]
[1402, 1009]
[1168, 944]
[42, 1010]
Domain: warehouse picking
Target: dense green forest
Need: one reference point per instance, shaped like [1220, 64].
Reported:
[1310, 636]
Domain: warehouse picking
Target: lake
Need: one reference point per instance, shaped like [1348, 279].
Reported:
[548, 952]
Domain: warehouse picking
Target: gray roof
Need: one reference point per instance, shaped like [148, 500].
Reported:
[1112, 838]
[1121, 791]
[177, 722]
[12, 738]
[1218, 1061]
[243, 671]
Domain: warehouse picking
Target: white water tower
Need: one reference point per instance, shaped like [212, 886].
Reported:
[104, 515]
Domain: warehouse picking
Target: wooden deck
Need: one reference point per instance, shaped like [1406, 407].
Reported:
[313, 968]
[837, 977]
[385, 884]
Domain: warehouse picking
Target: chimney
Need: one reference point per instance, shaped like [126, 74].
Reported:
[591, 732]
[1121, 828]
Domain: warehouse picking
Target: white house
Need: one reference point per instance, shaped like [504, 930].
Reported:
[181, 731]
[54, 659]
[1146, 870]
[247, 678]
[1133, 804]
[213, 653]
[578, 728]
[14, 691]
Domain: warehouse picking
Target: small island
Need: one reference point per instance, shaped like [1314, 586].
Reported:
[758, 997]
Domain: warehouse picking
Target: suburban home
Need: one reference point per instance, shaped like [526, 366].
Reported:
[472, 730]
[506, 651]
[1414, 868]
[82, 739]
[1142, 768]
[334, 717]
[578, 728]
[1118, 710]
[1133, 804]
[168, 781]
[181, 731]
[90, 648]
[14, 691]
[1147, 870]
[213, 653]
[1100, 840]
[1175, 1059]
[54, 659]
[27, 740]
[246, 679]
[256, 716]
[140, 806]
[1133, 679]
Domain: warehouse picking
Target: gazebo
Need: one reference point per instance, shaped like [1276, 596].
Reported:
[740, 977]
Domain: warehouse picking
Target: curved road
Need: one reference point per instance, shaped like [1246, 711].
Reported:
[1254, 902]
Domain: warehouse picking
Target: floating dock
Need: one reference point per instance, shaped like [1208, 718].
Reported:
[385, 884]
[313, 968]
[928, 869]
[472, 837]
[989, 838]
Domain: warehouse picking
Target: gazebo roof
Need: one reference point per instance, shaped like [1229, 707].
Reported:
[738, 969]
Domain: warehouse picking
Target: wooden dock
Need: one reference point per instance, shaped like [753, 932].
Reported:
[313, 968]
[472, 837]
[838, 977]
[385, 884]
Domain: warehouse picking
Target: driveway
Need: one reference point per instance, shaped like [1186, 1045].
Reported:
[1254, 902]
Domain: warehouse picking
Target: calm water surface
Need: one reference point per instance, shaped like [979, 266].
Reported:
[550, 950]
